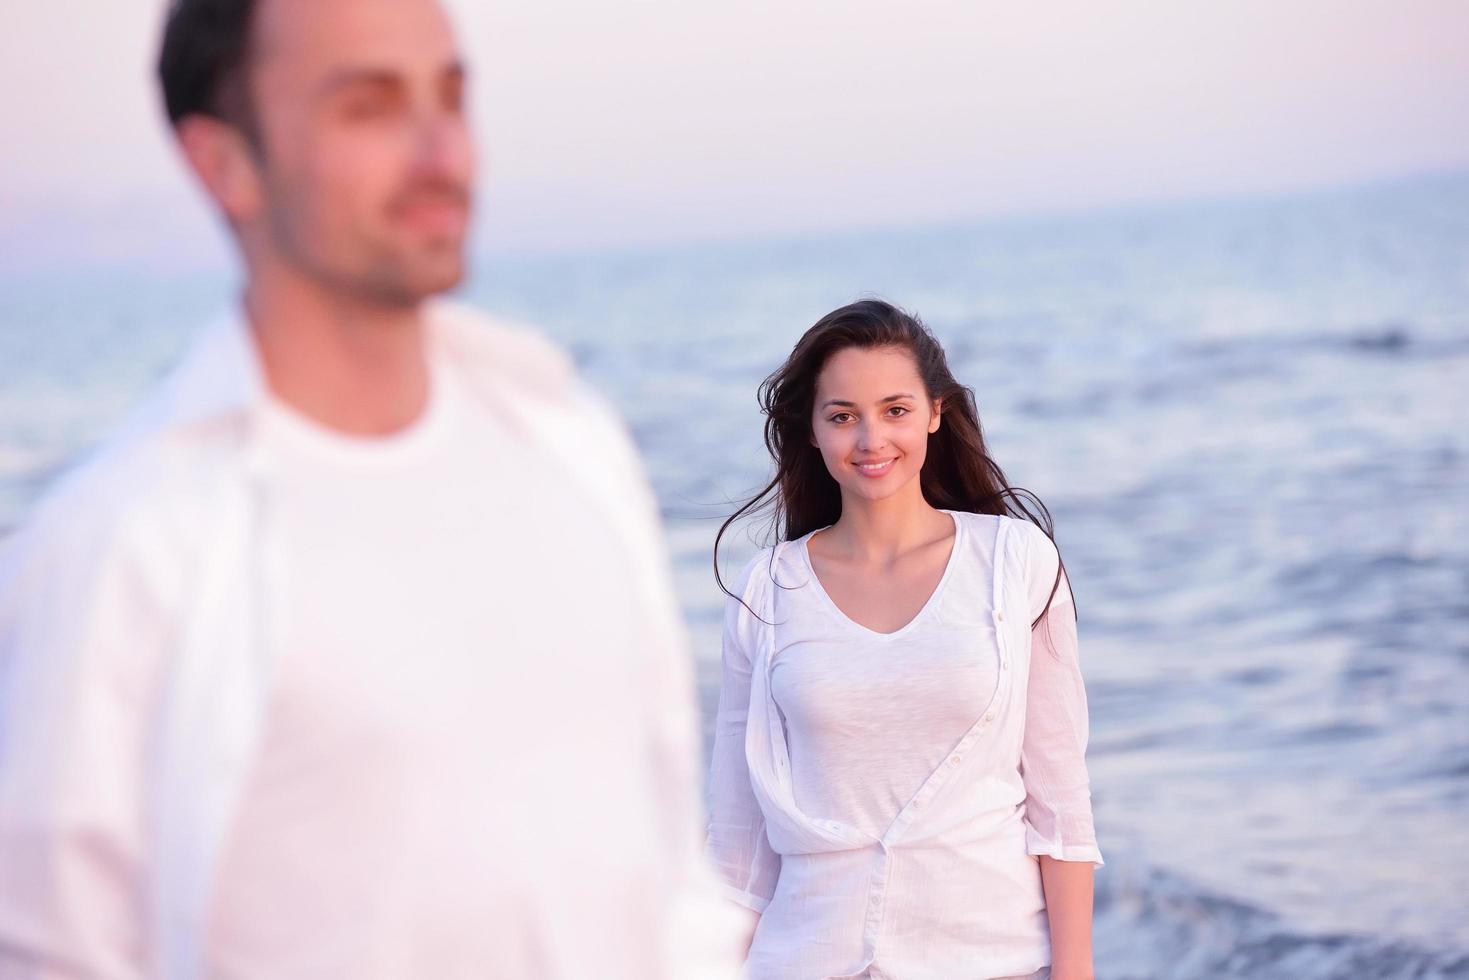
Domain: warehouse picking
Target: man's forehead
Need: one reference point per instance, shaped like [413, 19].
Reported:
[321, 37]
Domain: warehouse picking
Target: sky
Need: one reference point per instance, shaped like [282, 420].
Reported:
[606, 125]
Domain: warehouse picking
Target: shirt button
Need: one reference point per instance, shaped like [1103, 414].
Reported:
[1000, 615]
[955, 760]
[990, 716]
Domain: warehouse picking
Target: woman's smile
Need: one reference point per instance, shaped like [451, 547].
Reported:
[876, 468]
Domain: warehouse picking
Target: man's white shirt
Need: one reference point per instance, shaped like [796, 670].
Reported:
[280, 702]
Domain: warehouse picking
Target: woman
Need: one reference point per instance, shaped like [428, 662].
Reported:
[898, 786]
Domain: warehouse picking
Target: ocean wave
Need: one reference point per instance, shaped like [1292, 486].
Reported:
[1153, 924]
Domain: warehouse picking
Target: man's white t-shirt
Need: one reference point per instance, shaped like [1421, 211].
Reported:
[424, 792]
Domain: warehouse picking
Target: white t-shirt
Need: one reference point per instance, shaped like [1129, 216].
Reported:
[422, 795]
[870, 715]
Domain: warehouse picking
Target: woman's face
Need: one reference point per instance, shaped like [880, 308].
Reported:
[871, 420]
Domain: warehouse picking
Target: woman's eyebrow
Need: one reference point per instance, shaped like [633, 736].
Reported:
[844, 404]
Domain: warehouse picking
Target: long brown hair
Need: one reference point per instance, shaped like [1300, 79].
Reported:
[958, 473]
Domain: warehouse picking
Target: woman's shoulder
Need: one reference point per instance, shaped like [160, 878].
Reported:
[1022, 530]
[971, 521]
[978, 533]
[1022, 539]
[763, 562]
[740, 584]
[780, 565]
[1037, 554]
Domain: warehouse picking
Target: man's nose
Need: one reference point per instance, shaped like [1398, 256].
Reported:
[446, 147]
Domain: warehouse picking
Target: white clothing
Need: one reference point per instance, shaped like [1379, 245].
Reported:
[869, 715]
[924, 867]
[276, 702]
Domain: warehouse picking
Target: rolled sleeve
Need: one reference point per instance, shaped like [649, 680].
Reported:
[1058, 810]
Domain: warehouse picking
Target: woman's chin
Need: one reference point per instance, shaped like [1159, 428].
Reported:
[866, 488]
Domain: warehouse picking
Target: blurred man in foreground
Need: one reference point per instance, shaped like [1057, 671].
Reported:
[353, 653]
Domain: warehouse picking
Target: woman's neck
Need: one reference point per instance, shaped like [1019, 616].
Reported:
[878, 531]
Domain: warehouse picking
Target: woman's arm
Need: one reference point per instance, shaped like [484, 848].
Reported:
[1068, 886]
[737, 845]
[749, 922]
[1058, 813]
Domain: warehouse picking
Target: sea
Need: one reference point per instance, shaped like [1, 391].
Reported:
[1249, 420]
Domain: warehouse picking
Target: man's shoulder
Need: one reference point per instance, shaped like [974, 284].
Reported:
[500, 350]
[510, 361]
[138, 480]
[121, 507]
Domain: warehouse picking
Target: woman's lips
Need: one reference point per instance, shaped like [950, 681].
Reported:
[875, 469]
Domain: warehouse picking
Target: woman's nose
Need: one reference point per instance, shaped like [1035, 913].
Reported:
[869, 436]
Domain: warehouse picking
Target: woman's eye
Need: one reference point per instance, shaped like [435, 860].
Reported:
[840, 417]
[897, 410]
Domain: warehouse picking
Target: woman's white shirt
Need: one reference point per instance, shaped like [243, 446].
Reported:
[883, 798]
[870, 715]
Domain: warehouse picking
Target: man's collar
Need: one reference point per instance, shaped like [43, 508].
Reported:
[220, 378]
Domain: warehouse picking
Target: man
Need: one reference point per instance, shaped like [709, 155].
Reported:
[353, 653]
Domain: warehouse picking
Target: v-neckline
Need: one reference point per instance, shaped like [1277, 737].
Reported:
[933, 596]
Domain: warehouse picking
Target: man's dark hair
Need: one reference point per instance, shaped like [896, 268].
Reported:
[204, 60]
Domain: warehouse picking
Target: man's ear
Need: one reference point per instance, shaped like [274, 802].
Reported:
[225, 164]
[938, 414]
